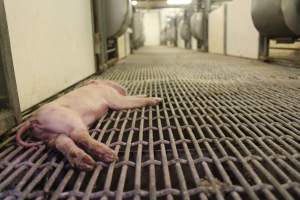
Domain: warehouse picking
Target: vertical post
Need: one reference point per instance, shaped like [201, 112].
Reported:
[187, 42]
[176, 31]
[103, 34]
[95, 38]
[188, 16]
[198, 8]
[225, 29]
[180, 31]
[264, 43]
[100, 33]
[8, 68]
[207, 4]
[132, 35]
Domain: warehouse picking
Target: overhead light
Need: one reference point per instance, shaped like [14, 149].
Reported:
[179, 2]
[134, 3]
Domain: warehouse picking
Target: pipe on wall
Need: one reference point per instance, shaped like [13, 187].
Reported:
[100, 25]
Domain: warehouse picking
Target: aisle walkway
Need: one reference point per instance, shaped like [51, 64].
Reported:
[228, 128]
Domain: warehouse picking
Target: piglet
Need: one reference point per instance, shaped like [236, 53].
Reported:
[63, 124]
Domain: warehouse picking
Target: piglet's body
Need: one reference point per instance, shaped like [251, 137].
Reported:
[63, 123]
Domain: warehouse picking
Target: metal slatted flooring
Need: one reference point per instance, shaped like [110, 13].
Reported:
[228, 128]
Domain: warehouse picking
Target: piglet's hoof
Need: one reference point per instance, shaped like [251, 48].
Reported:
[102, 151]
[156, 100]
[110, 156]
[82, 161]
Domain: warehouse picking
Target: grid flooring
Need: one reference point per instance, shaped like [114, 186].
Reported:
[228, 128]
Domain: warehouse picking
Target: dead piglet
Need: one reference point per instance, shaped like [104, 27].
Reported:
[63, 123]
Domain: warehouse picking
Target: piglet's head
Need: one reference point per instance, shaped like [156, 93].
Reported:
[94, 82]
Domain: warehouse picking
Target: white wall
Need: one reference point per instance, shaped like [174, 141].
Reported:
[121, 47]
[242, 37]
[124, 45]
[152, 27]
[127, 41]
[216, 30]
[194, 43]
[52, 46]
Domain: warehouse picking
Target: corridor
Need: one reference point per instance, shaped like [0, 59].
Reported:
[227, 128]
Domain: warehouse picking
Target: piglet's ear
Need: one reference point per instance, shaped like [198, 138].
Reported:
[92, 82]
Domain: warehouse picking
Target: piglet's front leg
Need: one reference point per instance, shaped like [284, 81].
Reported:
[129, 102]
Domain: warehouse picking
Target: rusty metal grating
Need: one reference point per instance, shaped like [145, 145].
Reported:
[222, 132]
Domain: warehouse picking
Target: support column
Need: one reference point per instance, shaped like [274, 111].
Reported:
[198, 8]
[176, 31]
[207, 4]
[6, 61]
[187, 43]
[264, 43]
[100, 33]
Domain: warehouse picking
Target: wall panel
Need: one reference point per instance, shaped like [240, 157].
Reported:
[52, 46]
[216, 30]
[242, 37]
[152, 28]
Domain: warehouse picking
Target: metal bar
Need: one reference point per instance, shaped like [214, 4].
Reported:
[167, 180]
[225, 28]
[264, 44]
[138, 174]
[121, 184]
[99, 11]
[8, 66]
[207, 5]
[285, 48]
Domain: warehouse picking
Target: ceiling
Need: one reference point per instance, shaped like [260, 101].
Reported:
[152, 4]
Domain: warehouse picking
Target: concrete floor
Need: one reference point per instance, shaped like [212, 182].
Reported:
[228, 128]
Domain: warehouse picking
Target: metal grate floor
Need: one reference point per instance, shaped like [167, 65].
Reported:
[228, 128]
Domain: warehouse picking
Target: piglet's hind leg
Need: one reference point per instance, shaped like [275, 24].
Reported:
[76, 156]
[100, 150]
[116, 86]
